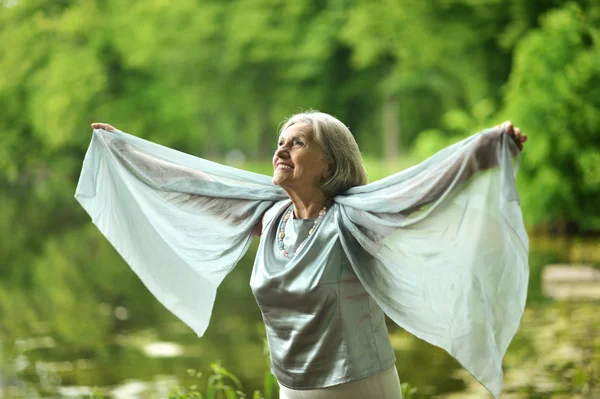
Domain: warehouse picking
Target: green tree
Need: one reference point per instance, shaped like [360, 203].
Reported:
[431, 57]
[554, 94]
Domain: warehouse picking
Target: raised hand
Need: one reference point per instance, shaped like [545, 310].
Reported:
[515, 133]
[104, 126]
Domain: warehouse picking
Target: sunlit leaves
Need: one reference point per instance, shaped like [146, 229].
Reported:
[553, 94]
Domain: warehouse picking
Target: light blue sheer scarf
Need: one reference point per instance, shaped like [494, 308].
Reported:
[441, 246]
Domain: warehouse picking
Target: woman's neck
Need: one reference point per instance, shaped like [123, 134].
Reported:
[308, 206]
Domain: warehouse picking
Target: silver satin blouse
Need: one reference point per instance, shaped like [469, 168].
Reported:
[323, 328]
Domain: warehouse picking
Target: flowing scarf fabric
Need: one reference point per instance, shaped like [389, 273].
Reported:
[441, 247]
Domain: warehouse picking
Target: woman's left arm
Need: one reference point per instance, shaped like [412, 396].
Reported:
[481, 157]
[482, 150]
[407, 191]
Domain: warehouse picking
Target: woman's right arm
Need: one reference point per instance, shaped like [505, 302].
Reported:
[180, 233]
[156, 172]
[153, 168]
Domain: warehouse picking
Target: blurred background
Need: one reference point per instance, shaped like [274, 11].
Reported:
[215, 79]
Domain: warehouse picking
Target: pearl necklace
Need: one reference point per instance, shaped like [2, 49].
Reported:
[281, 234]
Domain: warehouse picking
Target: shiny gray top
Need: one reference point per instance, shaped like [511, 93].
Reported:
[323, 328]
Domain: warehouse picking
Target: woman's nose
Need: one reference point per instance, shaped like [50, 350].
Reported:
[282, 152]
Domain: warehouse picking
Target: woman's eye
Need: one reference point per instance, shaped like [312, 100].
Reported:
[296, 142]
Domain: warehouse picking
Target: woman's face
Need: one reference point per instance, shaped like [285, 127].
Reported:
[299, 162]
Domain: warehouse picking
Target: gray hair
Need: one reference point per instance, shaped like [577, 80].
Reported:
[339, 148]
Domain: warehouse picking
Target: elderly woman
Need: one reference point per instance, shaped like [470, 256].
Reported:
[440, 248]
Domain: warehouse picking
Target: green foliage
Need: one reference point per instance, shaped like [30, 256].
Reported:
[409, 392]
[224, 385]
[210, 76]
[554, 93]
[178, 73]
[97, 394]
[220, 385]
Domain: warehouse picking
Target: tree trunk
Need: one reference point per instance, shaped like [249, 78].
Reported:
[391, 128]
[266, 136]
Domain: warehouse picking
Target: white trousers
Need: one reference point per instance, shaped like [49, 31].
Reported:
[383, 385]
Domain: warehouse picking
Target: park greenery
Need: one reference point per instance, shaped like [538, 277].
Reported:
[224, 385]
[215, 78]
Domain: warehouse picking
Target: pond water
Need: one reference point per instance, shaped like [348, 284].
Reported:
[556, 352]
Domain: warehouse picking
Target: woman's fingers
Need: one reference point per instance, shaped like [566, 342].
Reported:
[508, 127]
[515, 133]
[104, 126]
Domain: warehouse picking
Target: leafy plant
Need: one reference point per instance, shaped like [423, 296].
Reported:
[222, 384]
[409, 392]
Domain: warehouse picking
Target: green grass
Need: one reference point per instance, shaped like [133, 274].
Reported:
[221, 384]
